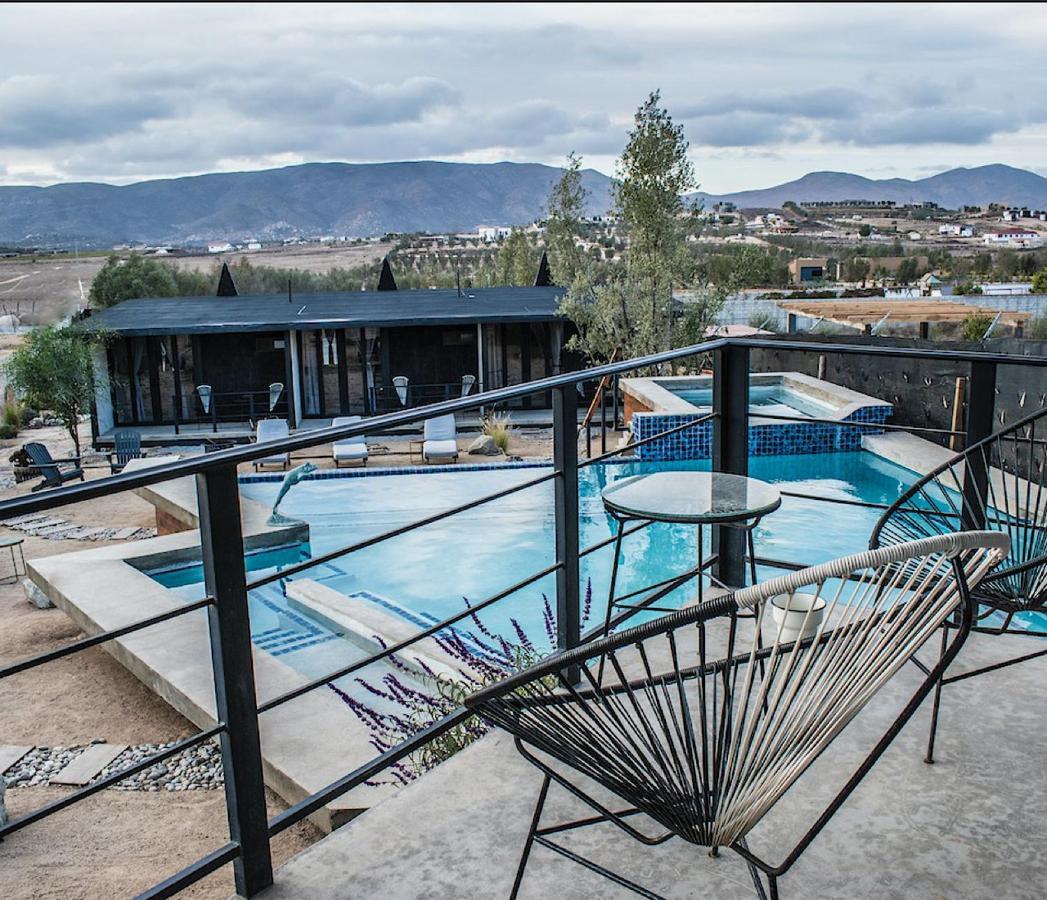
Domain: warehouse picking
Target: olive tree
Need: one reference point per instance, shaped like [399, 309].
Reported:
[634, 311]
[52, 370]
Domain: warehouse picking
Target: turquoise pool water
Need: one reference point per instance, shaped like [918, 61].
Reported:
[424, 574]
[770, 399]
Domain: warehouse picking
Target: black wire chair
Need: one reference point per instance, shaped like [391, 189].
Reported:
[997, 484]
[702, 728]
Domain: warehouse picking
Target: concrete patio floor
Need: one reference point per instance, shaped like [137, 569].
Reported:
[973, 825]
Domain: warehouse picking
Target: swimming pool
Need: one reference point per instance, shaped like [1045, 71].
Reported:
[423, 575]
[772, 399]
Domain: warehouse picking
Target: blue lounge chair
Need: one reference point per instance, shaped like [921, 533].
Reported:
[55, 472]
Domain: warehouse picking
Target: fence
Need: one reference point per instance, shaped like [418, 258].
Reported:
[227, 584]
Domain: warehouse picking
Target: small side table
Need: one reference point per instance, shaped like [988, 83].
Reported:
[416, 447]
[11, 544]
[689, 498]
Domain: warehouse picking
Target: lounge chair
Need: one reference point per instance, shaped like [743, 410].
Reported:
[55, 472]
[127, 445]
[699, 727]
[349, 450]
[438, 440]
[269, 430]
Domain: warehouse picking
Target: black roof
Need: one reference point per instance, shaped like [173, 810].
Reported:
[341, 309]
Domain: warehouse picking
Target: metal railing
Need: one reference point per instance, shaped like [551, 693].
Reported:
[227, 585]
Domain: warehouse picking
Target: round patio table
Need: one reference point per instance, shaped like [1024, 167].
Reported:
[688, 498]
[13, 543]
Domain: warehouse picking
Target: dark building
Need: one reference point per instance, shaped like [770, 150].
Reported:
[313, 356]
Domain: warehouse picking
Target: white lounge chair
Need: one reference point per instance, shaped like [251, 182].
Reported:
[349, 450]
[269, 430]
[438, 439]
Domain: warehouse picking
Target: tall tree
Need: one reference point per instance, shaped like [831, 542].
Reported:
[517, 261]
[120, 280]
[635, 311]
[52, 370]
[564, 211]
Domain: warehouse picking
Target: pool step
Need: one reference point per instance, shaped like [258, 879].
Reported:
[281, 641]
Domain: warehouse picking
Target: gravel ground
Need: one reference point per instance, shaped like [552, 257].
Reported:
[195, 769]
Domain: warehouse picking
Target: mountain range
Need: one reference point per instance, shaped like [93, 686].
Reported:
[317, 199]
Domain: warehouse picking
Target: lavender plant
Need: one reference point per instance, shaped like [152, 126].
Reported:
[482, 657]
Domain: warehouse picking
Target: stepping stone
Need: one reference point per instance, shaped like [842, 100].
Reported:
[10, 754]
[124, 534]
[44, 523]
[88, 764]
[25, 520]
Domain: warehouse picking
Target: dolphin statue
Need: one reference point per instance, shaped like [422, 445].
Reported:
[299, 473]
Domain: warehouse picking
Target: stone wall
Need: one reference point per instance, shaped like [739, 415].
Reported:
[922, 391]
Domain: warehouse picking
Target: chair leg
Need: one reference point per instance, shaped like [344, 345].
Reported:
[535, 821]
[929, 758]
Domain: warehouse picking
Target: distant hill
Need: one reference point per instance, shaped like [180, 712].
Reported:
[318, 199]
[953, 189]
[310, 200]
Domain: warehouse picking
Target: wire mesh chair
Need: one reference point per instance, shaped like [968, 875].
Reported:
[688, 729]
[997, 484]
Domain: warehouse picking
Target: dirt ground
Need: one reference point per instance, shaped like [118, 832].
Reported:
[311, 257]
[50, 289]
[118, 842]
[45, 290]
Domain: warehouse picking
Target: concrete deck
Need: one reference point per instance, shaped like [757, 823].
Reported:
[973, 825]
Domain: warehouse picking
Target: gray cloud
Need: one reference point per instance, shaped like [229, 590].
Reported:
[37, 111]
[147, 91]
[815, 103]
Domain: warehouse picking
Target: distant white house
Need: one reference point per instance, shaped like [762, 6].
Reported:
[957, 230]
[914, 236]
[254, 245]
[488, 233]
[1013, 237]
[224, 247]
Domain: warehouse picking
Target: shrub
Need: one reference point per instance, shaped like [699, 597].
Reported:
[498, 426]
[28, 414]
[482, 656]
[7, 432]
[1037, 328]
[974, 326]
[12, 416]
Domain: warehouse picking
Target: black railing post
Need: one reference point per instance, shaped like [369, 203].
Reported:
[565, 463]
[730, 450]
[981, 407]
[221, 543]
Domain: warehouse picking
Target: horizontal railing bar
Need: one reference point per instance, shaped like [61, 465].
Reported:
[358, 776]
[96, 639]
[94, 787]
[964, 356]
[395, 532]
[192, 873]
[845, 423]
[599, 545]
[407, 642]
[647, 440]
[303, 439]
[367, 771]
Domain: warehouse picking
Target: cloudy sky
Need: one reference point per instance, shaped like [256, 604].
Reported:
[766, 94]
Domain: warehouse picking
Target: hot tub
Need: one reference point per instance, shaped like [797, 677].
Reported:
[657, 404]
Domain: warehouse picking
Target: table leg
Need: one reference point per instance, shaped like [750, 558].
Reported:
[614, 574]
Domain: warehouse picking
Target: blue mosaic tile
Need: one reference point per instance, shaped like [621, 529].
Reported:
[778, 439]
